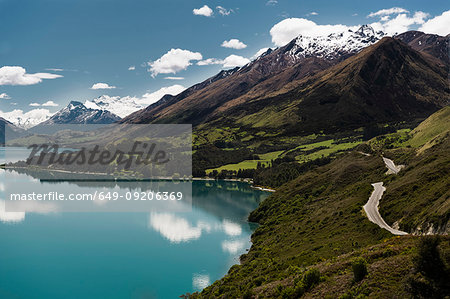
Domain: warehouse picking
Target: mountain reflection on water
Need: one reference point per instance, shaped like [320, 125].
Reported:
[161, 253]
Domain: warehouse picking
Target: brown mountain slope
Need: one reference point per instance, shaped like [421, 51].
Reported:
[271, 71]
[386, 82]
[431, 44]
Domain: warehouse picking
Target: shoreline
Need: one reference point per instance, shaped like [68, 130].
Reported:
[243, 180]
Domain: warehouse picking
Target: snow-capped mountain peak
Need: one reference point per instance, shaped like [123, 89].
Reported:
[121, 106]
[335, 45]
[74, 105]
[365, 30]
[26, 120]
[77, 113]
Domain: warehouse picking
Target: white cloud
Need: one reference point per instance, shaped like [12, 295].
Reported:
[102, 86]
[4, 96]
[174, 78]
[132, 68]
[205, 10]
[173, 61]
[223, 11]
[313, 13]
[235, 60]
[288, 29]
[62, 70]
[391, 21]
[35, 104]
[153, 97]
[17, 75]
[234, 44]
[438, 25]
[28, 119]
[388, 11]
[259, 53]
[399, 24]
[124, 106]
[54, 70]
[229, 62]
[272, 2]
[50, 104]
[396, 20]
[210, 61]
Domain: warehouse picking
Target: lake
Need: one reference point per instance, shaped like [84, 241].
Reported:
[13, 154]
[125, 255]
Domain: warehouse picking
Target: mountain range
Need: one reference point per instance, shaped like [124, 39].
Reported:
[340, 82]
[297, 90]
[302, 57]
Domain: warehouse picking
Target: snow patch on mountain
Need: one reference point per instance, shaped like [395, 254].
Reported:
[78, 113]
[26, 120]
[124, 106]
[335, 45]
[121, 106]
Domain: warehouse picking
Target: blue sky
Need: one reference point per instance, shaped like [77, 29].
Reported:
[96, 41]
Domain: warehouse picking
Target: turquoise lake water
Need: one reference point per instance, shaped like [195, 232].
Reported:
[125, 255]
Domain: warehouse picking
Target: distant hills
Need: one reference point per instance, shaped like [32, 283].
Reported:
[8, 130]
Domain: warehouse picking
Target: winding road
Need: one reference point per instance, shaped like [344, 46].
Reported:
[392, 168]
[371, 207]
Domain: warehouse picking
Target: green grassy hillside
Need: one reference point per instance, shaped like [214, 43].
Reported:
[432, 130]
[316, 221]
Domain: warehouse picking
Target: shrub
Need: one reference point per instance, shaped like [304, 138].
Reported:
[248, 294]
[258, 281]
[287, 293]
[359, 267]
[431, 276]
[428, 260]
[310, 278]
[299, 290]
